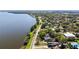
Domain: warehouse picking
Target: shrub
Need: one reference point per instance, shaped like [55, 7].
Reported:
[69, 45]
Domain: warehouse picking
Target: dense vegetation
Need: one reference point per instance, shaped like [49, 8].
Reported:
[55, 24]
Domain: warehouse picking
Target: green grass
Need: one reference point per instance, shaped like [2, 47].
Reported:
[28, 46]
[77, 41]
[31, 38]
[30, 41]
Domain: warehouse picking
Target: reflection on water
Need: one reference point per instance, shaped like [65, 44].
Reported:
[13, 28]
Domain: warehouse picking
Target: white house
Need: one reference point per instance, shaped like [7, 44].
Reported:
[69, 35]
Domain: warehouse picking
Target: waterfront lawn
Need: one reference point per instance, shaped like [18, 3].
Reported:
[30, 41]
[31, 38]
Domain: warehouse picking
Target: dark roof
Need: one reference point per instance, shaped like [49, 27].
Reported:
[53, 43]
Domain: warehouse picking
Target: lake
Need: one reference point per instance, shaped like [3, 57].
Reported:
[13, 29]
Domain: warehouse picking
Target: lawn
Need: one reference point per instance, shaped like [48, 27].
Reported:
[30, 41]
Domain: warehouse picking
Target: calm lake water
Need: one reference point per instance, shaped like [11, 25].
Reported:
[13, 28]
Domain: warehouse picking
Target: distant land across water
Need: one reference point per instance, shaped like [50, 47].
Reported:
[41, 11]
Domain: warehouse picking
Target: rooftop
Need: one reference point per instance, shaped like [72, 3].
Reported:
[47, 37]
[74, 43]
[69, 34]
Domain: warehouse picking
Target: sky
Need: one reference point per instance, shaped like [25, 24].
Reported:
[39, 4]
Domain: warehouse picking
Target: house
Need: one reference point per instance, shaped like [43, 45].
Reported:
[47, 37]
[75, 45]
[77, 20]
[53, 44]
[69, 35]
[77, 35]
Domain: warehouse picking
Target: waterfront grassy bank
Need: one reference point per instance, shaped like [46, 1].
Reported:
[29, 38]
